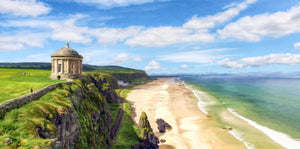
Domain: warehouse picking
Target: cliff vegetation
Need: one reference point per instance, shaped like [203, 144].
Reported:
[73, 116]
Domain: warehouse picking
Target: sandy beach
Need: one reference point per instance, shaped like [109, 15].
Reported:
[192, 129]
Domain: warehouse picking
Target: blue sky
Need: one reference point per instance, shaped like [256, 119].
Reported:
[158, 36]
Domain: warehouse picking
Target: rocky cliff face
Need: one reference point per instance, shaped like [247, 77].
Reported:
[89, 102]
[106, 86]
[148, 140]
[68, 130]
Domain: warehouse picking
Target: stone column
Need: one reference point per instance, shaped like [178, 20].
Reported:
[52, 65]
[73, 67]
[68, 65]
[56, 65]
[81, 67]
[62, 65]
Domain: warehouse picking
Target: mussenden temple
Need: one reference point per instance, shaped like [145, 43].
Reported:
[66, 64]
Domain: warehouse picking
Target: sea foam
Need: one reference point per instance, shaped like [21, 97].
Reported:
[202, 106]
[237, 136]
[201, 103]
[279, 137]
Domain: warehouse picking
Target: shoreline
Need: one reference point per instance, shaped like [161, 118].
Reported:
[275, 139]
[192, 128]
[278, 137]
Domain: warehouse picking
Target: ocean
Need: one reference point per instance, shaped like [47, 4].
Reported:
[263, 112]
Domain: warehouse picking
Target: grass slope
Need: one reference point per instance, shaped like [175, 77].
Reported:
[127, 135]
[14, 84]
[20, 125]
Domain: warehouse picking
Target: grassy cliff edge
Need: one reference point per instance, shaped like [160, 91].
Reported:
[71, 116]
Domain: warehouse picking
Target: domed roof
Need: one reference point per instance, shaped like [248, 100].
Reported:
[66, 51]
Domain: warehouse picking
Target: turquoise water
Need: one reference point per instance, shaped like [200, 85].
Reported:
[273, 103]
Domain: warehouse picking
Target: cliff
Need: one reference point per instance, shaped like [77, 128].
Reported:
[69, 116]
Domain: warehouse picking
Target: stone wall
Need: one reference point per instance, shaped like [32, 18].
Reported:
[22, 100]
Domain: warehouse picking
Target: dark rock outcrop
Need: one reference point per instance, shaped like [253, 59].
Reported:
[163, 126]
[148, 140]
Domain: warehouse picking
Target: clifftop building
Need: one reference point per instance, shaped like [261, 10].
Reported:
[66, 63]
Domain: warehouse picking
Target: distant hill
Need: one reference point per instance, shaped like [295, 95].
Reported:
[86, 67]
[27, 65]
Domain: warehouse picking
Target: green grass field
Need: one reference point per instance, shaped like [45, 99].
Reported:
[14, 84]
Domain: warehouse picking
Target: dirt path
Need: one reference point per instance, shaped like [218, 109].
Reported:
[116, 126]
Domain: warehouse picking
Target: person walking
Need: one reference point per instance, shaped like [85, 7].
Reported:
[31, 90]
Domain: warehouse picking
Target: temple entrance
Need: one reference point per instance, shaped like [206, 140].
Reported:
[58, 77]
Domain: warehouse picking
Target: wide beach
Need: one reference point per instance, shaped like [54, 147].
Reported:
[192, 129]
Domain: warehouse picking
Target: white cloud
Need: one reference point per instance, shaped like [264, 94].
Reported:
[23, 7]
[20, 41]
[42, 57]
[256, 27]
[153, 65]
[205, 23]
[204, 56]
[121, 58]
[107, 36]
[271, 59]
[114, 3]
[191, 47]
[90, 55]
[197, 29]
[297, 46]
[63, 30]
[181, 68]
[67, 30]
[230, 5]
[184, 66]
[136, 59]
[124, 57]
[167, 35]
[196, 48]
